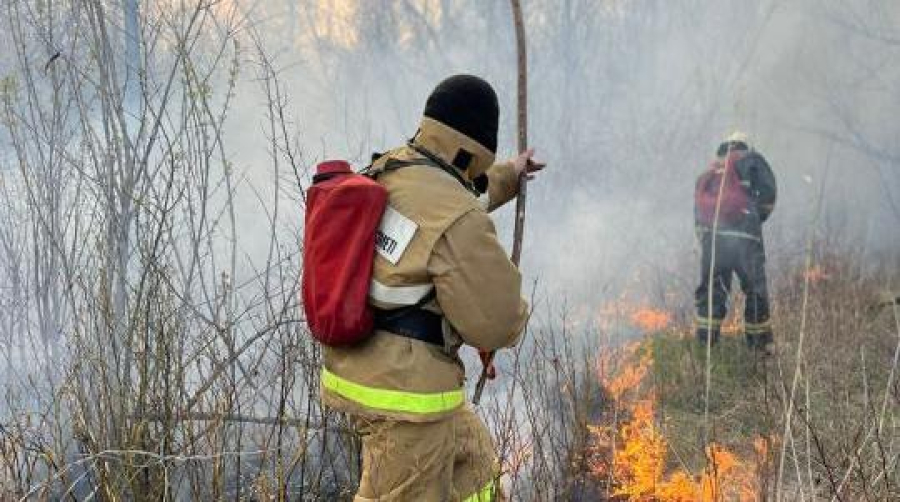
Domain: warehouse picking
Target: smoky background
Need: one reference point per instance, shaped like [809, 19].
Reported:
[627, 103]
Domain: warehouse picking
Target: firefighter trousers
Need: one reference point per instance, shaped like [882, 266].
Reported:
[744, 257]
[450, 460]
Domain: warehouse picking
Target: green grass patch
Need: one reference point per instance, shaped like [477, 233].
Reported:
[738, 397]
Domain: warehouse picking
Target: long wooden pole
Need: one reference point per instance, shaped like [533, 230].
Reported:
[522, 121]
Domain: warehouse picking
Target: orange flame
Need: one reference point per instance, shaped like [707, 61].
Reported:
[733, 325]
[636, 314]
[817, 274]
[626, 378]
[651, 320]
[631, 454]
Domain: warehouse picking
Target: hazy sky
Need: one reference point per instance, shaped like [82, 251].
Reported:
[628, 102]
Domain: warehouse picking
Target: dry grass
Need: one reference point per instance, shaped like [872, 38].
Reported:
[843, 445]
[148, 360]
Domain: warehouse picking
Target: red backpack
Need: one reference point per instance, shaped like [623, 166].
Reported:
[735, 202]
[343, 211]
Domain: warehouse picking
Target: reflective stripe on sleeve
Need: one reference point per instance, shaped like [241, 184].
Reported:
[486, 494]
[398, 295]
[392, 400]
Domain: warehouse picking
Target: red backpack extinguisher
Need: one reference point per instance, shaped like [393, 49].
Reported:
[735, 197]
[343, 211]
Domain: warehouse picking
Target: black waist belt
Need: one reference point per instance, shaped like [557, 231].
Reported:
[415, 323]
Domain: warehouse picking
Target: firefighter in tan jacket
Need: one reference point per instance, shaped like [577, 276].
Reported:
[441, 280]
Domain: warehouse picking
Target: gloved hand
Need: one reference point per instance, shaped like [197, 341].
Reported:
[486, 361]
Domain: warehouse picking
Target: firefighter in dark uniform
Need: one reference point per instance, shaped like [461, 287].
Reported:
[738, 250]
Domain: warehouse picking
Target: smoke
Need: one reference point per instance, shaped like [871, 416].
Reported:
[628, 100]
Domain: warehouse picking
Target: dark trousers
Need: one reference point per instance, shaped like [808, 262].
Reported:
[746, 258]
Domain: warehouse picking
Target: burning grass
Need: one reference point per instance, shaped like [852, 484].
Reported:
[632, 451]
[656, 441]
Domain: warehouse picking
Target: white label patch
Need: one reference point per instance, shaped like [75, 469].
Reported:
[394, 235]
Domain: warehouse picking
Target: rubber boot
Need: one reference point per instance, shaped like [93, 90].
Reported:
[761, 342]
[704, 333]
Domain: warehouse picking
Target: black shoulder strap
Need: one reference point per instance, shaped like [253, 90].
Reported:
[447, 168]
[394, 164]
[391, 164]
[428, 159]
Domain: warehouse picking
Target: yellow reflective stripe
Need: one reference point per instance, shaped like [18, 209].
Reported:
[392, 400]
[705, 322]
[738, 234]
[757, 328]
[486, 494]
[729, 233]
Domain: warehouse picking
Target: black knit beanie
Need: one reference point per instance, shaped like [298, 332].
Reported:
[469, 105]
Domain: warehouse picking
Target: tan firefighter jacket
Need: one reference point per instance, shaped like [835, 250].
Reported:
[441, 238]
